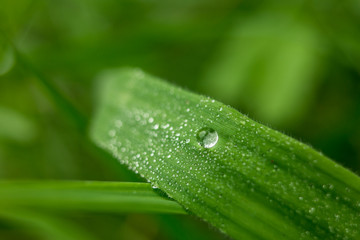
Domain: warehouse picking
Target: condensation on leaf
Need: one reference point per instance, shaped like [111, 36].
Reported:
[246, 179]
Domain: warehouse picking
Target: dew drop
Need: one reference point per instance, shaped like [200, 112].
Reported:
[311, 210]
[112, 133]
[207, 137]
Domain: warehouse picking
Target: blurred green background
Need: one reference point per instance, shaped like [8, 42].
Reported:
[292, 65]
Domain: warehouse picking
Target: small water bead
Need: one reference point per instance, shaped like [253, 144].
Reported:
[118, 123]
[112, 133]
[311, 210]
[207, 137]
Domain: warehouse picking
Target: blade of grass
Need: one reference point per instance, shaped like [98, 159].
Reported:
[86, 196]
[246, 179]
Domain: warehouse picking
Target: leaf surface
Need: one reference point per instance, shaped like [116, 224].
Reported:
[87, 196]
[246, 179]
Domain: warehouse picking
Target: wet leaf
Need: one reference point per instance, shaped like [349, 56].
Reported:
[248, 180]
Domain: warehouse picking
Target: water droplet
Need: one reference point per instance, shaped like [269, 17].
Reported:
[112, 133]
[311, 210]
[207, 137]
[118, 123]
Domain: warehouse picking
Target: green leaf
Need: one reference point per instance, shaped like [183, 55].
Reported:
[268, 65]
[87, 196]
[246, 179]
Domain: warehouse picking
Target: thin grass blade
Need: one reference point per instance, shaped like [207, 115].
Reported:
[120, 197]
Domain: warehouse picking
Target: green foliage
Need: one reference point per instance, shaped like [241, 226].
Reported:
[244, 178]
[269, 64]
[7, 58]
[292, 65]
[18, 128]
[86, 196]
[44, 226]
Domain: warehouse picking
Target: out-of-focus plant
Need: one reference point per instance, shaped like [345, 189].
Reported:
[292, 65]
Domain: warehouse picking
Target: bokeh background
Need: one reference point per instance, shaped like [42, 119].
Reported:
[292, 65]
